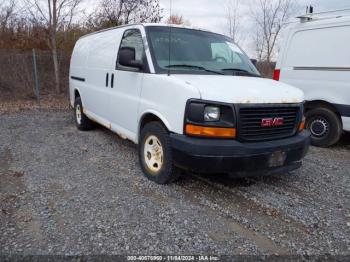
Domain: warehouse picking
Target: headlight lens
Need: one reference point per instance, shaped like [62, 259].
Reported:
[211, 113]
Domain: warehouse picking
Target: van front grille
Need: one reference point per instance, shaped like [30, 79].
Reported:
[251, 119]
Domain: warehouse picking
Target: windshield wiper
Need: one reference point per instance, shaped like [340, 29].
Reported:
[238, 70]
[195, 67]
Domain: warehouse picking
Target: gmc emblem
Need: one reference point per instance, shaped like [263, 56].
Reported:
[269, 122]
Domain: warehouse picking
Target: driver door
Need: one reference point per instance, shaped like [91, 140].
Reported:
[127, 83]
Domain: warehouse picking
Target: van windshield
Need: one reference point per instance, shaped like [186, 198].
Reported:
[195, 51]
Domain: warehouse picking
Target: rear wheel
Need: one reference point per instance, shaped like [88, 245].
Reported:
[81, 120]
[324, 125]
[155, 154]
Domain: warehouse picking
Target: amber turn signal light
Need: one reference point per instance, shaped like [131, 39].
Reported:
[205, 131]
[302, 125]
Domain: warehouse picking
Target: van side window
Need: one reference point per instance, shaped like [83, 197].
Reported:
[133, 38]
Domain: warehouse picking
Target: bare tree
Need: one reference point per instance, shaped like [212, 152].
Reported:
[7, 12]
[269, 17]
[177, 19]
[152, 13]
[233, 20]
[53, 15]
[119, 12]
[259, 45]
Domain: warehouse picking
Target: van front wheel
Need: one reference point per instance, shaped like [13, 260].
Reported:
[324, 125]
[155, 154]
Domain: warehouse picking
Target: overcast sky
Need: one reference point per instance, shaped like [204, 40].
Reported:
[210, 14]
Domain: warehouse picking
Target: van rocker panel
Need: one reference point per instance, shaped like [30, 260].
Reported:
[227, 155]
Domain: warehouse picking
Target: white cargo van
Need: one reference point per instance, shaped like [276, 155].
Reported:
[189, 98]
[315, 57]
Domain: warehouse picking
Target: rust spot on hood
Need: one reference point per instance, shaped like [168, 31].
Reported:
[257, 101]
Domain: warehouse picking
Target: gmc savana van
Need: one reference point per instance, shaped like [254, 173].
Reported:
[315, 57]
[189, 98]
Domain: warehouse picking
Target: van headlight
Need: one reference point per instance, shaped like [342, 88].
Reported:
[211, 113]
[210, 119]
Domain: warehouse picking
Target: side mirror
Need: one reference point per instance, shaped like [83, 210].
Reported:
[127, 58]
[254, 62]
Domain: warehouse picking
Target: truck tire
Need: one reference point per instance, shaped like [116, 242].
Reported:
[324, 125]
[81, 120]
[155, 154]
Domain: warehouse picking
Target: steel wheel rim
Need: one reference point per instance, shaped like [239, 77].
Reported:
[319, 127]
[153, 153]
[78, 114]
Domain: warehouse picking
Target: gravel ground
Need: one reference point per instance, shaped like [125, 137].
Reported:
[68, 192]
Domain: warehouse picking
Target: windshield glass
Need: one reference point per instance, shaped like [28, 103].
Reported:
[196, 51]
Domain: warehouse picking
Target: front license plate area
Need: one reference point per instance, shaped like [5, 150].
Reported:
[277, 159]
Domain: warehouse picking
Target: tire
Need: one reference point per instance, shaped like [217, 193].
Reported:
[324, 125]
[82, 122]
[155, 154]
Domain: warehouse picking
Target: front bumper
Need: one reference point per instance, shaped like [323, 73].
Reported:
[244, 159]
[346, 123]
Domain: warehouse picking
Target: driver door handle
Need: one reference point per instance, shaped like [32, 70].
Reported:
[107, 79]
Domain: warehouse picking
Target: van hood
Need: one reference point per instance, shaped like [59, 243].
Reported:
[240, 89]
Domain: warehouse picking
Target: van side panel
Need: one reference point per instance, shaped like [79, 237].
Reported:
[77, 67]
[320, 47]
[316, 59]
[103, 49]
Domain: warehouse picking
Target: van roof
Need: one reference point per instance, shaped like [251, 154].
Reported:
[342, 15]
[307, 22]
[149, 24]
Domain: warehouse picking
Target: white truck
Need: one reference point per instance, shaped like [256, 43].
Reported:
[189, 98]
[315, 57]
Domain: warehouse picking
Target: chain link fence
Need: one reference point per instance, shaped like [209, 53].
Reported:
[29, 76]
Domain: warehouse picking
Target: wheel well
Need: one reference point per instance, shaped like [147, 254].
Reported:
[320, 103]
[147, 118]
[76, 94]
